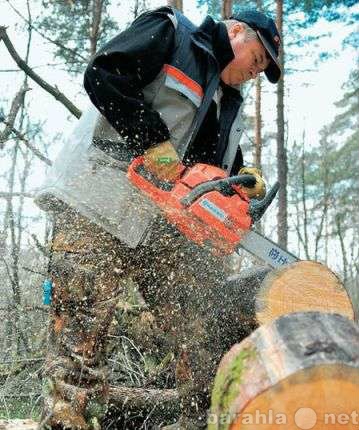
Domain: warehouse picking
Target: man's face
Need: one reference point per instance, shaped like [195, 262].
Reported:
[250, 58]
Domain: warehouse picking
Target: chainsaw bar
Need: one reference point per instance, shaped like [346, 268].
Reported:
[266, 250]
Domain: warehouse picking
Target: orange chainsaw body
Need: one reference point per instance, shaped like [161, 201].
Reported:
[213, 219]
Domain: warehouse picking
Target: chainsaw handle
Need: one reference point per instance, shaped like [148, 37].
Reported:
[224, 186]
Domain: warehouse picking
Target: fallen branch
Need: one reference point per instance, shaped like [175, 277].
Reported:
[144, 398]
[54, 91]
[162, 405]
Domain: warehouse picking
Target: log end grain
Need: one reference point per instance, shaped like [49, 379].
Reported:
[301, 286]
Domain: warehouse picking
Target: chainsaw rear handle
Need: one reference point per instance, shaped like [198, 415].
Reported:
[258, 207]
[224, 186]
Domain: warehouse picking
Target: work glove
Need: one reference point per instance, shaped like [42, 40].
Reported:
[163, 162]
[259, 190]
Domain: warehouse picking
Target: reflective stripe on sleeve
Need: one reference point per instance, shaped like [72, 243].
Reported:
[178, 80]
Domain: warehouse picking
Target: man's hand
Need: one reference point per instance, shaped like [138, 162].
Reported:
[162, 160]
[259, 190]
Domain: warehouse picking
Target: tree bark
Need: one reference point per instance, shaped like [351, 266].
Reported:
[304, 200]
[141, 398]
[97, 7]
[258, 124]
[258, 114]
[247, 285]
[178, 4]
[282, 163]
[226, 9]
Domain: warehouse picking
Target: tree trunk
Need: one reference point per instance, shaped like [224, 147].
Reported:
[282, 222]
[178, 4]
[300, 367]
[258, 114]
[226, 8]
[304, 200]
[97, 7]
[258, 124]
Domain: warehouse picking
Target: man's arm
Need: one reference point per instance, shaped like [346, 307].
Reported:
[115, 77]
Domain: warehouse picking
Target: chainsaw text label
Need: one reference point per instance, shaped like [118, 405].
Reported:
[213, 209]
[275, 255]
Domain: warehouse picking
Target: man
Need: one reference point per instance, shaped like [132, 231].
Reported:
[166, 89]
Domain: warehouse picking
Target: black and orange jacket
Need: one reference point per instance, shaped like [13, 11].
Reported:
[159, 80]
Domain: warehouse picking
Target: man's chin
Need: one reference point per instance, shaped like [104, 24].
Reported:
[238, 80]
[233, 81]
[225, 79]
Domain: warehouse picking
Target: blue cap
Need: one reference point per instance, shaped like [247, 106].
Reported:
[269, 36]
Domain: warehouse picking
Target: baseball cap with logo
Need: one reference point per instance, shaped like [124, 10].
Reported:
[268, 34]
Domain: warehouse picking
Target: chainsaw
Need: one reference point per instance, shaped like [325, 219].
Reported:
[211, 209]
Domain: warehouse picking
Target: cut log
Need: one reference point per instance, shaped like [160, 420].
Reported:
[299, 372]
[301, 286]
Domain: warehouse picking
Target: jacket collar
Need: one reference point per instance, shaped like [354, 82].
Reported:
[213, 38]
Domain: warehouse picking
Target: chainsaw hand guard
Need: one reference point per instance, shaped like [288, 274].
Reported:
[258, 207]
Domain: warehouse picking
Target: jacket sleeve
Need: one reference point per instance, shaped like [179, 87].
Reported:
[115, 77]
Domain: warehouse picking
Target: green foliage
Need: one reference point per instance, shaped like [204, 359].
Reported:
[20, 408]
[69, 24]
[316, 9]
[213, 7]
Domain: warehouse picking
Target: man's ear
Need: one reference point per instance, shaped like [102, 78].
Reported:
[235, 30]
